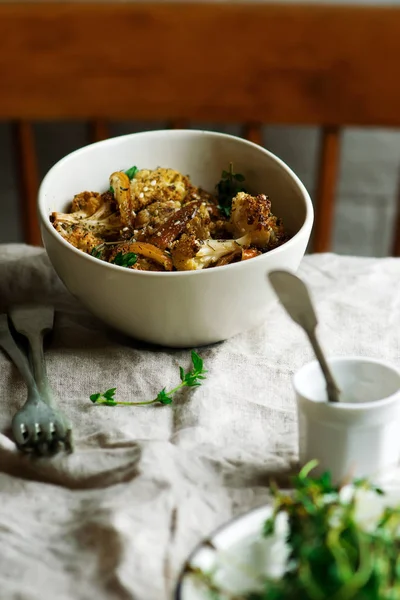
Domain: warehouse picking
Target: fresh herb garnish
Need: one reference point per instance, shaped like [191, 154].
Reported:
[131, 174]
[227, 189]
[107, 397]
[337, 548]
[334, 553]
[125, 260]
[191, 378]
[97, 251]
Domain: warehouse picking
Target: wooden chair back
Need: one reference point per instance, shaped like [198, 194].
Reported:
[331, 66]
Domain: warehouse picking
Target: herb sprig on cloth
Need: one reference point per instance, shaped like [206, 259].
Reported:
[192, 378]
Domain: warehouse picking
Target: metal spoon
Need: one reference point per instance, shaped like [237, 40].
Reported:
[294, 296]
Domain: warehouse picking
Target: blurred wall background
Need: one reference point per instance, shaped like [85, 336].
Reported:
[366, 198]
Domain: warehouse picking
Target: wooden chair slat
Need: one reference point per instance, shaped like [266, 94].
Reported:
[28, 180]
[99, 130]
[326, 188]
[179, 124]
[253, 133]
[396, 234]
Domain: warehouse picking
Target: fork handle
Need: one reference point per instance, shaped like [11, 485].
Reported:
[39, 368]
[8, 344]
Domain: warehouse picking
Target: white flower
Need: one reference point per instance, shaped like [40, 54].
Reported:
[346, 494]
[369, 508]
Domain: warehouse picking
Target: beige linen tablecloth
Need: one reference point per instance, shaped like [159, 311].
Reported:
[117, 518]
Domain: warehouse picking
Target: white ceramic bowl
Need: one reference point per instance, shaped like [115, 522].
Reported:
[180, 309]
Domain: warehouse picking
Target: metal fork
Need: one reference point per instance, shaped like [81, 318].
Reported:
[37, 427]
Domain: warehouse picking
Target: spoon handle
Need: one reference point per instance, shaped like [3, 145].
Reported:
[331, 387]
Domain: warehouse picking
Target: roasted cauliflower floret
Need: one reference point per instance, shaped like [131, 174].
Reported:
[190, 254]
[251, 216]
[104, 223]
[87, 203]
[159, 185]
[78, 236]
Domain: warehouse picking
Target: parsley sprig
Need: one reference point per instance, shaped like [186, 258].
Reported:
[125, 260]
[97, 251]
[192, 378]
[227, 189]
[131, 172]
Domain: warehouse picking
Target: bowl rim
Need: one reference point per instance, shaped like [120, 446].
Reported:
[258, 513]
[354, 407]
[114, 141]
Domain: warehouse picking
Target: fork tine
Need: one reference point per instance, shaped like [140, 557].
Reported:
[36, 433]
[60, 429]
[49, 431]
[20, 432]
[69, 442]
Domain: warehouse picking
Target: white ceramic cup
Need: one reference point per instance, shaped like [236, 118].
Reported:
[360, 435]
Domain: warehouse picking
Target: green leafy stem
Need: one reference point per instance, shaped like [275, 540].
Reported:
[192, 378]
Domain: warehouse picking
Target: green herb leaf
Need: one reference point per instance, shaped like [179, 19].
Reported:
[239, 177]
[163, 397]
[227, 189]
[307, 468]
[269, 527]
[225, 210]
[109, 394]
[110, 402]
[106, 398]
[131, 172]
[181, 373]
[125, 260]
[197, 362]
[97, 251]
[191, 378]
